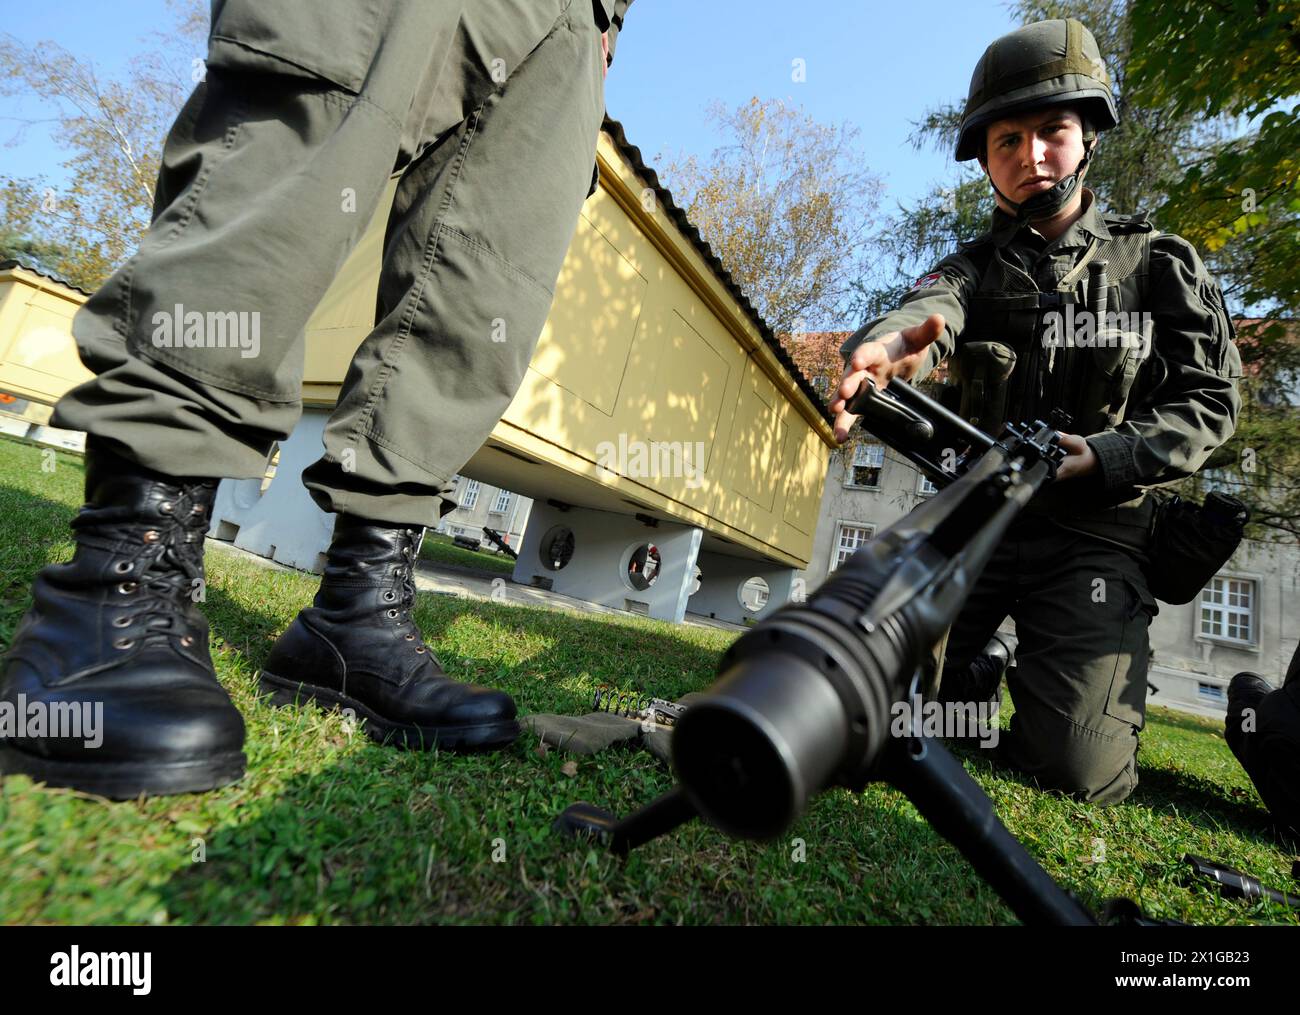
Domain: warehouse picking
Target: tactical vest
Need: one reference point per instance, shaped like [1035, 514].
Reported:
[1081, 347]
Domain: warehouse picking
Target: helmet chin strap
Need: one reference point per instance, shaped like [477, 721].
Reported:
[1049, 202]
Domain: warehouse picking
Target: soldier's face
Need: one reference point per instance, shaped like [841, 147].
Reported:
[1028, 154]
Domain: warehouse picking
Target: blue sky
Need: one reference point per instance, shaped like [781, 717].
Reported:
[876, 65]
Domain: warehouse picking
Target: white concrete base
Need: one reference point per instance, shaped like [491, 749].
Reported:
[283, 523]
[1186, 692]
[604, 543]
[39, 433]
[722, 580]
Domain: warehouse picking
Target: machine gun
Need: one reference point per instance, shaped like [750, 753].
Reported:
[803, 699]
[495, 538]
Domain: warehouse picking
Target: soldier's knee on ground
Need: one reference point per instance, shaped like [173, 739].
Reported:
[1073, 759]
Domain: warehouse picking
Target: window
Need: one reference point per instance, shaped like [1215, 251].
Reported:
[502, 503]
[470, 496]
[924, 487]
[1211, 692]
[849, 539]
[868, 460]
[1228, 610]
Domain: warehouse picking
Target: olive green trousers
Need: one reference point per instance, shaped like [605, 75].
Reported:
[1082, 611]
[490, 111]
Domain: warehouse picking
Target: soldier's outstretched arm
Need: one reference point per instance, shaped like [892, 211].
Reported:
[913, 340]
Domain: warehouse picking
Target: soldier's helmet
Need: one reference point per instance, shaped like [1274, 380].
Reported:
[1048, 63]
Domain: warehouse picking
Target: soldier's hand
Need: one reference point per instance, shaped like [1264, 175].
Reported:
[1080, 459]
[894, 354]
[604, 50]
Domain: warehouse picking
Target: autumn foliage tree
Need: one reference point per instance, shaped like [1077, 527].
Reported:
[83, 226]
[1238, 200]
[788, 205]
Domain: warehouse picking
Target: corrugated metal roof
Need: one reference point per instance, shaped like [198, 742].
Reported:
[633, 154]
[14, 262]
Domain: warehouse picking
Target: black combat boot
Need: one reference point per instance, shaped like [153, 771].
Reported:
[357, 647]
[114, 644]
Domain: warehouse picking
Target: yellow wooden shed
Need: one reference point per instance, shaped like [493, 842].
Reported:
[658, 408]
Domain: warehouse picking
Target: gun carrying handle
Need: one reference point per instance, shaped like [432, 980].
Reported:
[874, 405]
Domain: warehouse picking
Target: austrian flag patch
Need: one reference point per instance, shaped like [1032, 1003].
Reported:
[925, 281]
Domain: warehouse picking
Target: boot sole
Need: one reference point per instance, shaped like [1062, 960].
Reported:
[486, 736]
[127, 780]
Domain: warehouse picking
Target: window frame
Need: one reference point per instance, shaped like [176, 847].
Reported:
[869, 527]
[853, 464]
[1225, 610]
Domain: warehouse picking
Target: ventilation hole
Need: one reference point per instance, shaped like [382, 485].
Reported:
[556, 547]
[643, 566]
[753, 594]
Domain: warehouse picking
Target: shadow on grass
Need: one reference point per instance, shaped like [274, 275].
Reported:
[1161, 789]
[391, 837]
[356, 842]
[360, 833]
[1158, 790]
[381, 835]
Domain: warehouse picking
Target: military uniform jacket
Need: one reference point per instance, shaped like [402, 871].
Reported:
[1152, 386]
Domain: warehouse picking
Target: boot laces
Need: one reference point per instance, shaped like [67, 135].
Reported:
[151, 596]
[405, 573]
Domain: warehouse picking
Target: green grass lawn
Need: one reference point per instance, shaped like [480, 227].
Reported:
[441, 550]
[328, 827]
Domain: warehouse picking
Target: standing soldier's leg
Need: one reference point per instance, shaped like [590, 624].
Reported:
[268, 177]
[1079, 685]
[479, 229]
[478, 232]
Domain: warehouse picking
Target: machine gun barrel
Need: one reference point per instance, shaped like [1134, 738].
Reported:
[803, 700]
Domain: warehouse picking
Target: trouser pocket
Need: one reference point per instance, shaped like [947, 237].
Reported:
[335, 40]
[1127, 697]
